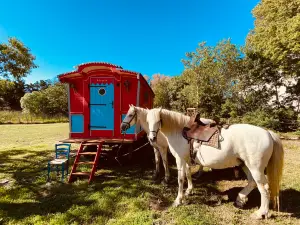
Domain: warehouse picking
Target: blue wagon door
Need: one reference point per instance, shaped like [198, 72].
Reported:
[101, 105]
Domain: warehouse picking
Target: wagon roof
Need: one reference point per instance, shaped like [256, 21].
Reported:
[85, 68]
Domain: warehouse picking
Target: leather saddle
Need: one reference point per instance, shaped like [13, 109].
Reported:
[199, 129]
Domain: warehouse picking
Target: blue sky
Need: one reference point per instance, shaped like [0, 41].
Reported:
[144, 36]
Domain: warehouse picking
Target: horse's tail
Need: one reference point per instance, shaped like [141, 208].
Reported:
[274, 169]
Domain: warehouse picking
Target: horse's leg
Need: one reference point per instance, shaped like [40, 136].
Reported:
[181, 166]
[157, 163]
[188, 173]
[164, 156]
[242, 196]
[263, 187]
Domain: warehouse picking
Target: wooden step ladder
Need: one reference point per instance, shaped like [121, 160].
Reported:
[77, 161]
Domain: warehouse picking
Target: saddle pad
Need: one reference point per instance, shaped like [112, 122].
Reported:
[213, 141]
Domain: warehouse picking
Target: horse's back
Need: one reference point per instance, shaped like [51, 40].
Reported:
[248, 141]
[246, 130]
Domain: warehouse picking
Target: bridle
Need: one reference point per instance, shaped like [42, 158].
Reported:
[156, 132]
[128, 123]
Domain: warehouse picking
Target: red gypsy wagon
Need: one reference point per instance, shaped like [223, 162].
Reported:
[99, 97]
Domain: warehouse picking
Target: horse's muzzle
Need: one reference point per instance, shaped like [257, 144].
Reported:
[152, 139]
[124, 126]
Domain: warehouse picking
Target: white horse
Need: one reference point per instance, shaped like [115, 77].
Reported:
[137, 115]
[243, 144]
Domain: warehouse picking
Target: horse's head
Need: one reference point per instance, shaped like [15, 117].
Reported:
[130, 118]
[154, 122]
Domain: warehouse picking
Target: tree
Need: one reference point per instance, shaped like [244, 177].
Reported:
[178, 99]
[10, 93]
[211, 73]
[159, 84]
[273, 56]
[276, 34]
[38, 85]
[16, 61]
[260, 81]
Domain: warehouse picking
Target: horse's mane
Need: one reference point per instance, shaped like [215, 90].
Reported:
[172, 120]
[140, 109]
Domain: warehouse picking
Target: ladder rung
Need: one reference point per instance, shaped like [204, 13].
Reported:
[94, 163]
[91, 144]
[81, 174]
[87, 153]
[90, 163]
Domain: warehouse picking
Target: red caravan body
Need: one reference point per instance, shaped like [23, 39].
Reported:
[99, 95]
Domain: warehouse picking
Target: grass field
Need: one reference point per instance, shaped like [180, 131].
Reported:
[17, 117]
[122, 195]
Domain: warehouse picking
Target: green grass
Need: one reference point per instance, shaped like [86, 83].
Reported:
[17, 117]
[122, 195]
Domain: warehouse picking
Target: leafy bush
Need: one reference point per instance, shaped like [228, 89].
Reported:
[277, 119]
[48, 102]
[262, 119]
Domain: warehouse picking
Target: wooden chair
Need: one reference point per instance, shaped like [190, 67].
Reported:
[62, 155]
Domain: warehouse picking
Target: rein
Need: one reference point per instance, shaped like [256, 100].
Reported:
[131, 152]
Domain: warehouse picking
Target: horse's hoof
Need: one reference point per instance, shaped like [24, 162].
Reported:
[176, 204]
[239, 204]
[258, 215]
[189, 192]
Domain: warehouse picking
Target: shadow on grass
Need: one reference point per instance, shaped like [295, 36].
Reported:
[29, 196]
[112, 185]
[289, 200]
[58, 199]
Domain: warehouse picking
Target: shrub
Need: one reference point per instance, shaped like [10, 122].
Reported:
[49, 102]
[262, 119]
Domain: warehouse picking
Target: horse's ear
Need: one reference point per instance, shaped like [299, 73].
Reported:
[160, 108]
[197, 118]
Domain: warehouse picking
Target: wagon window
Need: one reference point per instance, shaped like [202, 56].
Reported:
[101, 91]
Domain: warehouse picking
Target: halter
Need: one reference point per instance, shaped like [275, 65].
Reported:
[156, 132]
[128, 123]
